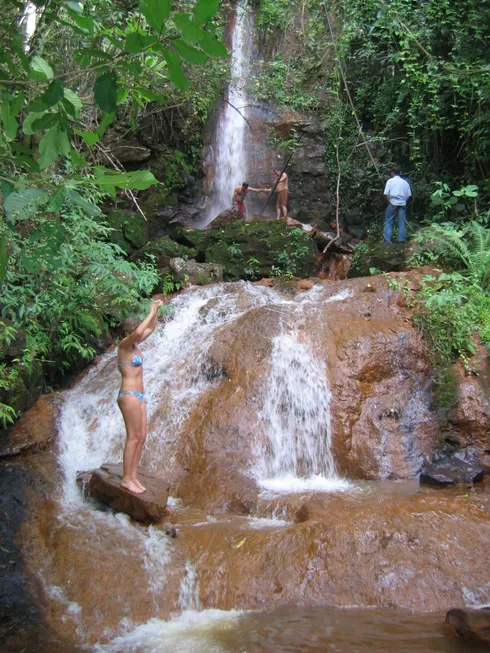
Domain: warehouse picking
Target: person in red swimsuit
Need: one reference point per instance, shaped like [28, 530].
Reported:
[239, 197]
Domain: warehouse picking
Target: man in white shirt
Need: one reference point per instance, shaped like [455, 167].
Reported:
[397, 193]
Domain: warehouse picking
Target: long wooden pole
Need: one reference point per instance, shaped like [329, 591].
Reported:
[275, 185]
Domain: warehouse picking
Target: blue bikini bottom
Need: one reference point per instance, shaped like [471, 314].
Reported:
[139, 395]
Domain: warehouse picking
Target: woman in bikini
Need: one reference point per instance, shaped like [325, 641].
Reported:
[131, 398]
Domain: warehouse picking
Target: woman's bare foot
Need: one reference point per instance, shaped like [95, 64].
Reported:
[141, 487]
[132, 487]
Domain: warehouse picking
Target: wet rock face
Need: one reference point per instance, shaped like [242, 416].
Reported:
[104, 485]
[469, 624]
[35, 431]
[448, 470]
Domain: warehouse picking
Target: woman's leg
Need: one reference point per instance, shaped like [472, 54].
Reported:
[130, 408]
[139, 448]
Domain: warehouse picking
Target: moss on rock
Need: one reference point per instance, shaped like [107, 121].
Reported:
[269, 242]
[130, 229]
[164, 249]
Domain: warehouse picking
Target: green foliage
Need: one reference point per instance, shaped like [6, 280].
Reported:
[292, 256]
[109, 61]
[252, 269]
[235, 253]
[454, 305]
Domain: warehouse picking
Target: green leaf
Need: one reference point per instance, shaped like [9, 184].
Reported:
[53, 144]
[85, 23]
[137, 42]
[205, 9]
[210, 45]
[156, 13]
[190, 54]
[138, 179]
[29, 121]
[17, 104]
[54, 93]
[89, 208]
[56, 201]
[74, 6]
[107, 120]
[188, 28]
[148, 95]
[45, 122]
[105, 92]
[89, 138]
[134, 67]
[9, 121]
[41, 69]
[22, 204]
[26, 162]
[84, 56]
[175, 73]
[72, 98]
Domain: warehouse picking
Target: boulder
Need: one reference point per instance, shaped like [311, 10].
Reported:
[451, 469]
[104, 485]
[130, 229]
[164, 249]
[200, 274]
[469, 624]
[268, 241]
[384, 257]
[229, 215]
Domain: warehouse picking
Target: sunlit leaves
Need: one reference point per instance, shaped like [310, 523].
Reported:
[41, 69]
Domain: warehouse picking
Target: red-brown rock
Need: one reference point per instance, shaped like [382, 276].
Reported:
[469, 624]
[36, 430]
[104, 484]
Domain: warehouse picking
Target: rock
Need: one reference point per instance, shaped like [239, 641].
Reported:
[451, 470]
[230, 215]
[104, 484]
[305, 284]
[165, 249]
[235, 243]
[374, 253]
[125, 150]
[199, 274]
[469, 624]
[35, 431]
[130, 229]
[16, 345]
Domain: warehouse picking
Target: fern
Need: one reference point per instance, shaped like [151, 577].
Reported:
[468, 248]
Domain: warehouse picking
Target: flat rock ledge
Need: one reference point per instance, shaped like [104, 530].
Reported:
[104, 485]
[469, 624]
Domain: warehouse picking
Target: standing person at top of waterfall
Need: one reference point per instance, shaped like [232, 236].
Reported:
[131, 397]
[397, 194]
[239, 195]
[282, 190]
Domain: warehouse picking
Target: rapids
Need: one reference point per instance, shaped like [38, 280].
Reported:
[291, 426]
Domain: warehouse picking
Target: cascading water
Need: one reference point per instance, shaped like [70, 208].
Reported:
[229, 161]
[297, 419]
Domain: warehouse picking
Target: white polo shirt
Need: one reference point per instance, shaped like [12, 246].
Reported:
[398, 190]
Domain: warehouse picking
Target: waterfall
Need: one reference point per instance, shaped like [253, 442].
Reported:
[297, 420]
[30, 20]
[228, 158]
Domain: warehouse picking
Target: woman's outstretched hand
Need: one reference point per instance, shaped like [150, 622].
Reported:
[156, 305]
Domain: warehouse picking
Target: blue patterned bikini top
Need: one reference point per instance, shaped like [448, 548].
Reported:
[136, 362]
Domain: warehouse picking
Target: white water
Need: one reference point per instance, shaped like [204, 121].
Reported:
[229, 159]
[297, 420]
[295, 414]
